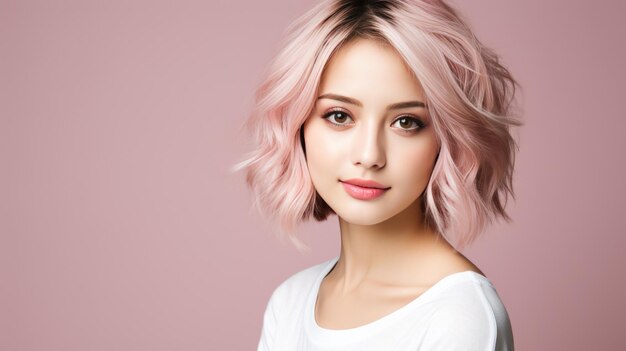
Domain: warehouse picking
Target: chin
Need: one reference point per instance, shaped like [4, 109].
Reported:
[360, 216]
[370, 213]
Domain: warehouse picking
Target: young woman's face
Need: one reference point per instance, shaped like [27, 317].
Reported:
[369, 123]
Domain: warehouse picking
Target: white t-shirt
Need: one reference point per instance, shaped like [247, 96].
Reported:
[462, 311]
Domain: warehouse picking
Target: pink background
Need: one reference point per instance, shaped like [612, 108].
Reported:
[121, 228]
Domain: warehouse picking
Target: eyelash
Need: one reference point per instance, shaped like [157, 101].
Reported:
[417, 121]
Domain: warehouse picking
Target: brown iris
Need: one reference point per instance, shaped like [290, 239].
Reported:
[340, 117]
[405, 122]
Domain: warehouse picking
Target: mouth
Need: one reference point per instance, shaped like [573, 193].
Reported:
[364, 189]
[365, 183]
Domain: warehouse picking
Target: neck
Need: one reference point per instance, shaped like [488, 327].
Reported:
[373, 251]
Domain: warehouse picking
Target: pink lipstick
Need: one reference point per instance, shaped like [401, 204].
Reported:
[362, 189]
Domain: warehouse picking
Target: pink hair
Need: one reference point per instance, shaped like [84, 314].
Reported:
[468, 92]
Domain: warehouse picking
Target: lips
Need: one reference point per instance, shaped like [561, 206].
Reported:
[365, 183]
[362, 189]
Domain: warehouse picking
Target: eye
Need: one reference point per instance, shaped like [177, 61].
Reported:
[337, 117]
[408, 124]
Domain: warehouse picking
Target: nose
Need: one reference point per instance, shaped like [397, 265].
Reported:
[368, 149]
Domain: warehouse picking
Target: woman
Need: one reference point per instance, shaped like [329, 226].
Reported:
[394, 117]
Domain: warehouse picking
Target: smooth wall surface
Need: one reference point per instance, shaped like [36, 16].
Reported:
[122, 229]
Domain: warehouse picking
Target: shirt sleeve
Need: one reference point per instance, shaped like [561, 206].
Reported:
[266, 343]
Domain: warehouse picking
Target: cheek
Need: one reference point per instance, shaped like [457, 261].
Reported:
[416, 162]
[321, 151]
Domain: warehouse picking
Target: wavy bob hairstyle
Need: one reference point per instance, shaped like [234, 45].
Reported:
[469, 95]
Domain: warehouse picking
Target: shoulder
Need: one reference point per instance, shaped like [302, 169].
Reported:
[287, 299]
[469, 314]
[297, 286]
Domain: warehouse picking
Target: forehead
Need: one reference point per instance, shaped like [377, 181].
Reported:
[365, 69]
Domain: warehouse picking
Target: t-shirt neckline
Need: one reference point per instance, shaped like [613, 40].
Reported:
[339, 337]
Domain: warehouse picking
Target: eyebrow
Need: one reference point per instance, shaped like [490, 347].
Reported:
[353, 101]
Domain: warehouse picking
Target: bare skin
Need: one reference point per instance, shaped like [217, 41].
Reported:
[388, 256]
[385, 268]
